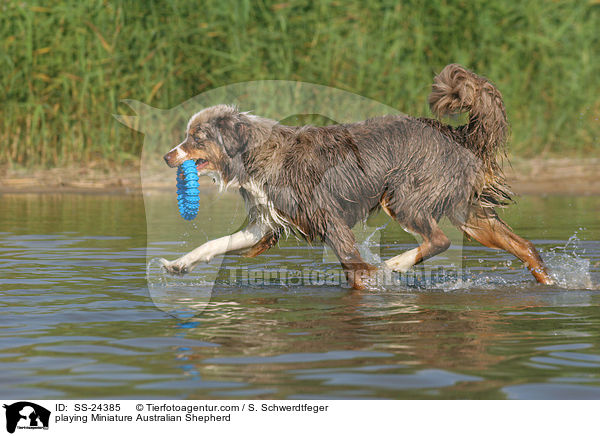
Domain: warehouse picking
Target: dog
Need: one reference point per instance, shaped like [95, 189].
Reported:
[318, 182]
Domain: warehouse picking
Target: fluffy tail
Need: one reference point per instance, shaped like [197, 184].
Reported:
[456, 90]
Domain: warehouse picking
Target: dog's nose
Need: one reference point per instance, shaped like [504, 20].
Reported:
[167, 158]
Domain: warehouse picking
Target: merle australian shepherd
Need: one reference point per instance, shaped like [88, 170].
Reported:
[318, 182]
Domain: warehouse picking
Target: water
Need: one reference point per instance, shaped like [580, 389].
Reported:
[77, 319]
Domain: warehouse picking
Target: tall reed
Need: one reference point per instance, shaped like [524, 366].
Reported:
[64, 66]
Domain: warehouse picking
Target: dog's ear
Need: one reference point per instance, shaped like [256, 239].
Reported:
[239, 138]
[233, 134]
[243, 133]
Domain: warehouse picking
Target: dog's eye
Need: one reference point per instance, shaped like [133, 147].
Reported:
[199, 136]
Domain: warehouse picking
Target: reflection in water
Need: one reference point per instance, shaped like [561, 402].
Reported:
[77, 320]
[413, 343]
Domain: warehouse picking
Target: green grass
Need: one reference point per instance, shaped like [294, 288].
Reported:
[64, 66]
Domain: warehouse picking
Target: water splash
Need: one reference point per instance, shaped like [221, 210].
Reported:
[567, 267]
[366, 247]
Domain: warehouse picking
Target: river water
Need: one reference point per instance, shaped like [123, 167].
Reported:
[85, 314]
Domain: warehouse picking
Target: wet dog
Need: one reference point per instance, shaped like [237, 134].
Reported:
[318, 182]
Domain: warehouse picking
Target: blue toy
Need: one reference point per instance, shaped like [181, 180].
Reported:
[188, 195]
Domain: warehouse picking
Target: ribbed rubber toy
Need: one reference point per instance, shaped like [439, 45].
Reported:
[188, 195]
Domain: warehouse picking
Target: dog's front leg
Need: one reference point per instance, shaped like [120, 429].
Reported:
[241, 240]
[341, 240]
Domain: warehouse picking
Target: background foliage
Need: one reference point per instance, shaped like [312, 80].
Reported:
[64, 66]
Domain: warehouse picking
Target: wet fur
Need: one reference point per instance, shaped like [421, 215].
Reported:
[320, 181]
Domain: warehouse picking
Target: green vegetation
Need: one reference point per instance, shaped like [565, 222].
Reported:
[64, 66]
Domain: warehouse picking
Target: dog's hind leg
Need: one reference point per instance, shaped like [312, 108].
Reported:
[434, 242]
[487, 228]
[434, 239]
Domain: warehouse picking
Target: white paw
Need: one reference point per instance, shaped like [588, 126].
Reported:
[402, 262]
[177, 267]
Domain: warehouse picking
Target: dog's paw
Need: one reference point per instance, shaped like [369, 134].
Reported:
[176, 267]
[363, 278]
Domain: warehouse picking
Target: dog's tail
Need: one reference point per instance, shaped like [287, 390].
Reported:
[456, 90]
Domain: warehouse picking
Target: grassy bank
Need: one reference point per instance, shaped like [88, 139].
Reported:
[65, 65]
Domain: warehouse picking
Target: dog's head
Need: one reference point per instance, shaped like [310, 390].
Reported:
[214, 138]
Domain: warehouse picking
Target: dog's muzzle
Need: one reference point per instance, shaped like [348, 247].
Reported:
[171, 158]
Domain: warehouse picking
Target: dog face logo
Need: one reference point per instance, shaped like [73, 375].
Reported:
[26, 415]
[294, 178]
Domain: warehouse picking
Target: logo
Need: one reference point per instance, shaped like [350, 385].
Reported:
[297, 103]
[26, 415]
